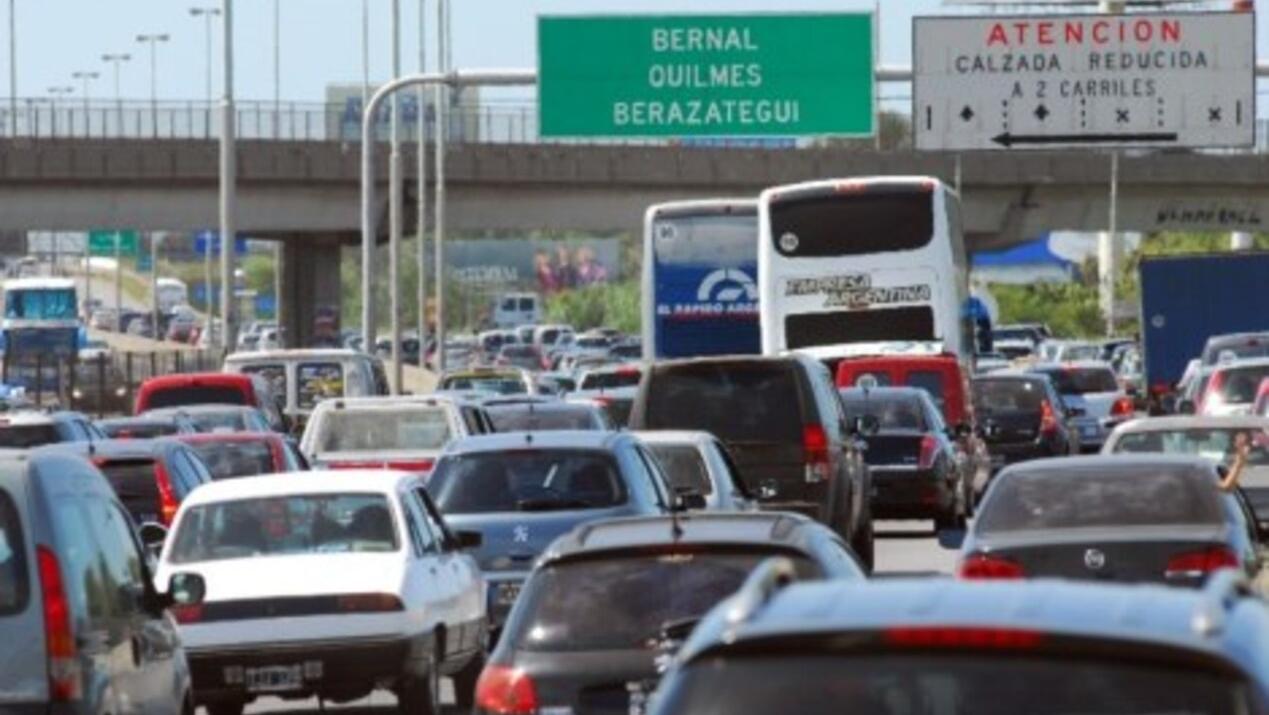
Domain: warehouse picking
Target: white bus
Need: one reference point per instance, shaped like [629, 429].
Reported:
[863, 266]
[172, 293]
[700, 271]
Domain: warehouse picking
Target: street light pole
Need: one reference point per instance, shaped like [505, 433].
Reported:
[208, 14]
[421, 188]
[155, 239]
[442, 115]
[395, 202]
[13, 67]
[58, 92]
[154, 40]
[367, 249]
[228, 184]
[117, 60]
[277, 67]
[86, 78]
[365, 55]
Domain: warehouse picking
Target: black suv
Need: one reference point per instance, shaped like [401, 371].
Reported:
[930, 646]
[782, 421]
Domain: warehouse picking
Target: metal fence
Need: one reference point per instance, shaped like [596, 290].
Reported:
[100, 386]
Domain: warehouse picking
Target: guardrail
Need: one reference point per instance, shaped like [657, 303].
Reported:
[102, 385]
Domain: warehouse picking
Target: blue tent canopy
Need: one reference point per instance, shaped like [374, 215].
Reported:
[1031, 254]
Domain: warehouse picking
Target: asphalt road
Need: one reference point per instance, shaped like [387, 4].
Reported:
[904, 548]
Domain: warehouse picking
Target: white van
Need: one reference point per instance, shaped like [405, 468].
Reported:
[511, 310]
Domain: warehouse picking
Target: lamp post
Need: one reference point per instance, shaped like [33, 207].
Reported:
[228, 182]
[153, 41]
[277, 67]
[117, 60]
[58, 92]
[209, 15]
[395, 206]
[421, 189]
[86, 78]
[13, 67]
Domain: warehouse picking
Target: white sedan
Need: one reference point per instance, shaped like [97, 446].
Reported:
[700, 469]
[326, 583]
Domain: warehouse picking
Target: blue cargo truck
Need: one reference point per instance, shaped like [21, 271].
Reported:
[1187, 299]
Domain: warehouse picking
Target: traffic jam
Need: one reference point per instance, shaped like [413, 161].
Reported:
[682, 521]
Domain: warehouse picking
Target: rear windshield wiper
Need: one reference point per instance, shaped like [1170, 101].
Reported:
[552, 504]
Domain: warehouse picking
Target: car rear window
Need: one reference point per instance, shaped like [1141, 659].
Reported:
[14, 579]
[607, 380]
[570, 606]
[274, 373]
[930, 381]
[737, 402]
[1238, 385]
[1083, 380]
[1237, 350]
[195, 395]
[1100, 497]
[229, 421]
[1214, 444]
[522, 418]
[526, 480]
[229, 460]
[136, 486]
[285, 525]
[955, 683]
[315, 382]
[498, 384]
[138, 430]
[24, 436]
[1008, 396]
[894, 412]
[682, 463]
[370, 430]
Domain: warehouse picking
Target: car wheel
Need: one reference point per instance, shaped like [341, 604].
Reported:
[420, 695]
[862, 544]
[465, 683]
[225, 708]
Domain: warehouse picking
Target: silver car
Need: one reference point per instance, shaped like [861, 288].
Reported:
[700, 468]
[1094, 399]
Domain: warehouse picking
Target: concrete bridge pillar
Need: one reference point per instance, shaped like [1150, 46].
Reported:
[310, 292]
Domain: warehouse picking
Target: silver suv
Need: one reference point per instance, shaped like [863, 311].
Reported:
[84, 629]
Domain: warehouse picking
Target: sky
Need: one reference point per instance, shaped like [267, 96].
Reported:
[321, 39]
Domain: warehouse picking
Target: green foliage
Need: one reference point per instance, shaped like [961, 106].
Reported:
[616, 305]
[1070, 309]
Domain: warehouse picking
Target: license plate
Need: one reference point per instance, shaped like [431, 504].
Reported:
[1089, 431]
[273, 678]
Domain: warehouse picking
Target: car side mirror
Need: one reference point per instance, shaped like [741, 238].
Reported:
[866, 425]
[690, 500]
[467, 540]
[1186, 407]
[152, 534]
[186, 589]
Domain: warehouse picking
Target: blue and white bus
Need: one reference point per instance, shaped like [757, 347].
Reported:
[700, 268]
[41, 319]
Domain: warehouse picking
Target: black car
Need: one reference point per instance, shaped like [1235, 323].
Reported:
[926, 646]
[1130, 518]
[1021, 416]
[783, 423]
[601, 595]
[99, 388]
[913, 457]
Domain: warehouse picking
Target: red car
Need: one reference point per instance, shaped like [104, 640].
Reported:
[230, 455]
[202, 388]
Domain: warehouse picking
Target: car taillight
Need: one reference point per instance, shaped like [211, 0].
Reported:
[187, 613]
[1204, 561]
[815, 453]
[1212, 394]
[368, 603]
[958, 637]
[168, 505]
[1048, 418]
[410, 465]
[1123, 407]
[64, 677]
[506, 691]
[987, 566]
[929, 450]
[1160, 388]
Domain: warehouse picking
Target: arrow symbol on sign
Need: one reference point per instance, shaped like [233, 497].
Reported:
[967, 113]
[1006, 139]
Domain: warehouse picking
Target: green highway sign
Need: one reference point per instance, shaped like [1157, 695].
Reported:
[101, 242]
[706, 75]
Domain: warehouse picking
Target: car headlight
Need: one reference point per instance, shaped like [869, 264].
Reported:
[77, 394]
[121, 391]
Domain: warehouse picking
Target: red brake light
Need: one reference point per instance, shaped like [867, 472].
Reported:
[64, 681]
[929, 449]
[168, 505]
[815, 453]
[1048, 419]
[415, 465]
[987, 566]
[1123, 407]
[506, 691]
[957, 637]
[187, 613]
[1196, 563]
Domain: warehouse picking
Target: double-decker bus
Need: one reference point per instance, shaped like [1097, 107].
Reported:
[863, 265]
[700, 291]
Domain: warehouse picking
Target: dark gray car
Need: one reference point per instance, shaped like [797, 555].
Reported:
[1128, 518]
[521, 490]
[85, 632]
[609, 602]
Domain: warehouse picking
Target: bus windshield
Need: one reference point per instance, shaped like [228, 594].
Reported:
[40, 304]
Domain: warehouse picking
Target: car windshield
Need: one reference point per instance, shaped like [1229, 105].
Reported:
[500, 385]
[1083, 380]
[536, 418]
[745, 402]
[229, 460]
[1081, 352]
[994, 396]
[526, 480]
[622, 603]
[605, 380]
[684, 466]
[1215, 444]
[14, 580]
[383, 429]
[285, 525]
[956, 683]
[1238, 385]
[228, 421]
[24, 436]
[1100, 497]
[894, 412]
[136, 486]
[196, 395]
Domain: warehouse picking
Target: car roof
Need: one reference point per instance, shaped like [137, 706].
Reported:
[23, 417]
[1072, 365]
[196, 378]
[940, 360]
[887, 391]
[697, 438]
[662, 365]
[294, 354]
[551, 406]
[1235, 338]
[1147, 614]
[199, 408]
[228, 437]
[1103, 463]
[1011, 374]
[558, 439]
[1241, 363]
[111, 449]
[1180, 422]
[694, 528]
[320, 481]
[386, 402]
